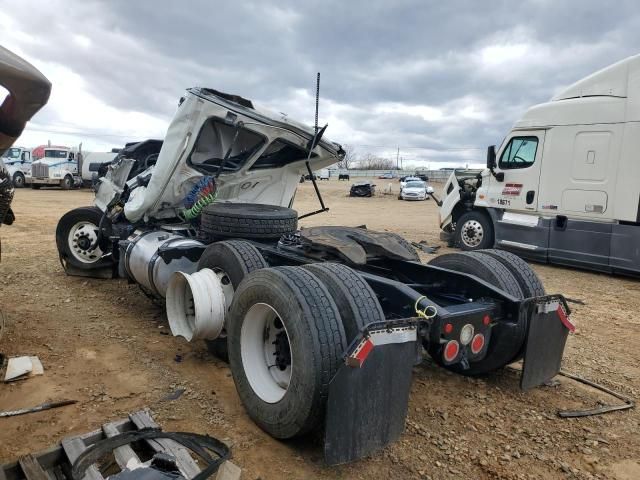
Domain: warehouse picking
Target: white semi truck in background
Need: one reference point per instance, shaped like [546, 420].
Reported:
[58, 166]
[564, 185]
[66, 167]
[17, 161]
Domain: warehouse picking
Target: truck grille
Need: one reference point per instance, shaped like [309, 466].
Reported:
[40, 171]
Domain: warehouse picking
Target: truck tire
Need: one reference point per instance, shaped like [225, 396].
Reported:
[506, 340]
[232, 260]
[247, 220]
[285, 314]
[356, 300]
[77, 230]
[527, 279]
[18, 180]
[407, 246]
[66, 183]
[474, 231]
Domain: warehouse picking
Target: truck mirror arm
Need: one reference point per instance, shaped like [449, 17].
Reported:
[435, 199]
[491, 163]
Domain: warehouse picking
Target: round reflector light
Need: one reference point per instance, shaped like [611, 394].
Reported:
[477, 343]
[451, 350]
[486, 320]
[448, 328]
[466, 334]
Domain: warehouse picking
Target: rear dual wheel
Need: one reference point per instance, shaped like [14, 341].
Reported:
[285, 340]
[287, 330]
[508, 273]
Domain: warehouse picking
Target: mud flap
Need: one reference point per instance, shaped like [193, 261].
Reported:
[369, 395]
[549, 326]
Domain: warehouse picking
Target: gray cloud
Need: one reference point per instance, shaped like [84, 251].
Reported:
[479, 64]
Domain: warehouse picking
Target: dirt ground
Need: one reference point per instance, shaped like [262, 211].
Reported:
[103, 343]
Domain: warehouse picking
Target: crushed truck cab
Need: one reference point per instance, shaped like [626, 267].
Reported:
[321, 326]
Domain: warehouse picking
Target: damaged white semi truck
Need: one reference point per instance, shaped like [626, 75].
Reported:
[321, 326]
[564, 186]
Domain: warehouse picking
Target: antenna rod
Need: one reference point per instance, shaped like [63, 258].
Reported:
[311, 146]
[317, 101]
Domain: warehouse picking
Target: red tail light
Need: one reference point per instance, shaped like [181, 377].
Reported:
[486, 320]
[448, 328]
[477, 343]
[451, 350]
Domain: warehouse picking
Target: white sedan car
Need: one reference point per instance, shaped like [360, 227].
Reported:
[415, 190]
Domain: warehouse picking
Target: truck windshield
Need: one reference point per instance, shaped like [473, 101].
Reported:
[13, 153]
[55, 153]
[213, 142]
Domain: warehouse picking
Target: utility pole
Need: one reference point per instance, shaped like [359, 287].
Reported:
[398, 159]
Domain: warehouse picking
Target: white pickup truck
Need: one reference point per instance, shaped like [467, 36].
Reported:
[58, 167]
[17, 161]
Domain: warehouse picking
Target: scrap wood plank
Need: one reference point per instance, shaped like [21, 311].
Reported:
[185, 462]
[73, 447]
[32, 469]
[123, 453]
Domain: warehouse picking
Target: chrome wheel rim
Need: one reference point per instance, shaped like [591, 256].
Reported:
[80, 239]
[472, 233]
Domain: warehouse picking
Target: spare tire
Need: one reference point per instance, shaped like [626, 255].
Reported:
[247, 220]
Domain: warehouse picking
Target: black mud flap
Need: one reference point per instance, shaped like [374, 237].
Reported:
[549, 326]
[105, 272]
[369, 395]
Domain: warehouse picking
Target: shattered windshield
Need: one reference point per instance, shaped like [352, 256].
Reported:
[280, 153]
[216, 139]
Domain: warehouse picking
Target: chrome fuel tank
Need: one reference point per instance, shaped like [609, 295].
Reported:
[144, 264]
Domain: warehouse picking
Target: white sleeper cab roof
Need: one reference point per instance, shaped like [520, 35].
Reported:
[610, 95]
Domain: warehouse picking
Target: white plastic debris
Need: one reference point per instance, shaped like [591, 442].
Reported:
[23, 367]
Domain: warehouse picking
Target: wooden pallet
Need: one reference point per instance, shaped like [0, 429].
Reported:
[55, 463]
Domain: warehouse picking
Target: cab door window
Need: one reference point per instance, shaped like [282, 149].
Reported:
[519, 153]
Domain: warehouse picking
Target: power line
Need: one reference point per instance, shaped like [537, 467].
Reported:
[82, 134]
[390, 147]
[438, 149]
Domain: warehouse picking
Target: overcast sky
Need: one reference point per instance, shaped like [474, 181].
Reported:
[440, 79]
